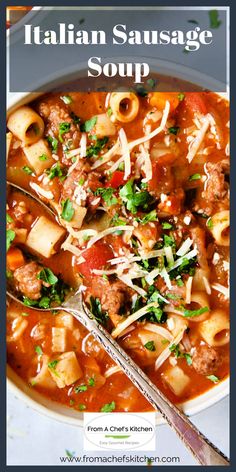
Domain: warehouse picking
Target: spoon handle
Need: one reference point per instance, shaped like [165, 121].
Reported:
[203, 451]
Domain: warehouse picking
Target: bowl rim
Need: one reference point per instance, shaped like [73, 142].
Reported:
[19, 387]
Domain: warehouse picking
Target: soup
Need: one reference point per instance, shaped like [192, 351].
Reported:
[139, 186]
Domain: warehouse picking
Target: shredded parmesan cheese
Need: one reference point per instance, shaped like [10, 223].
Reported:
[112, 370]
[131, 319]
[198, 140]
[220, 288]
[125, 153]
[44, 193]
[166, 353]
[188, 290]
[107, 231]
[184, 247]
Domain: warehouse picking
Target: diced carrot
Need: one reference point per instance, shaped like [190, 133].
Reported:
[158, 99]
[15, 258]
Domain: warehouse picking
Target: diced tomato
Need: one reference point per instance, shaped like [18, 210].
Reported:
[159, 99]
[162, 177]
[96, 257]
[116, 180]
[195, 102]
[15, 258]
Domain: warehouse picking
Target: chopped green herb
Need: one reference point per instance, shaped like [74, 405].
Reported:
[191, 313]
[181, 97]
[107, 195]
[70, 454]
[72, 402]
[76, 119]
[66, 99]
[188, 358]
[91, 382]
[80, 388]
[67, 210]
[96, 309]
[38, 350]
[152, 216]
[164, 341]
[43, 157]
[63, 128]
[121, 166]
[9, 218]
[53, 142]
[214, 19]
[209, 223]
[168, 240]
[166, 225]
[24, 314]
[10, 234]
[195, 177]
[213, 378]
[151, 83]
[82, 407]
[173, 296]
[44, 302]
[27, 170]
[88, 125]
[81, 181]
[52, 365]
[105, 277]
[108, 407]
[116, 221]
[173, 130]
[174, 348]
[150, 345]
[94, 149]
[180, 282]
[55, 171]
[141, 91]
[47, 276]
[132, 199]
[109, 112]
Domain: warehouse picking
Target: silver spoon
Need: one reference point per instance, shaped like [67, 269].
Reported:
[201, 448]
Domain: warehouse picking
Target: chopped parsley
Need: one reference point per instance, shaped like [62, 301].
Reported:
[96, 309]
[150, 345]
[43, 157]
[10, 236]
[24, 314]
[66, 99]
[51, 296]
[63, 128]
[107, 195]
[168, 240]
[56, 171]
[47, 276]
[94, 149]
[152, 216]
[214, 19]
[173, 130]
[91, 382]
[67, 210]
[38, 350]
[213, 378]
[53, 142]
[134, 199]
[80, 388]
[52, 365]
[174, 349]
[195, 177]
[82, 406]
[9, 218]
[166, 225]
[109, 112]
[191, 313]
[181, 97]
[209, 223]
[108, 407]
[88, 125]
[27, 170]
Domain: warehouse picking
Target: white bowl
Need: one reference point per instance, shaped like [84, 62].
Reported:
[27, 394]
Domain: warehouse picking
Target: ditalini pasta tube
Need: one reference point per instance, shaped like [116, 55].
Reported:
[215, 330]
[220, 227]
[43, 237]
[26, 125]
[124, 106]
[39, 156]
